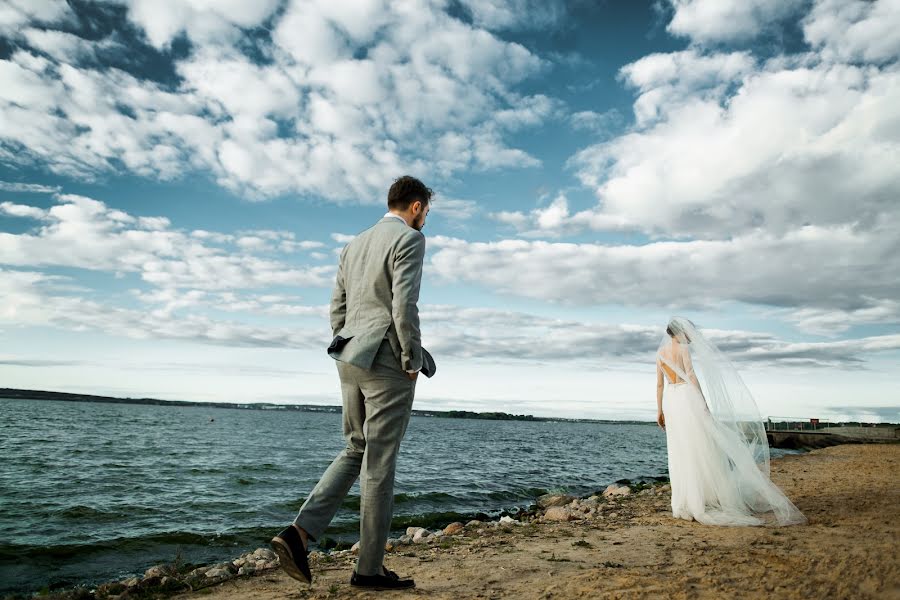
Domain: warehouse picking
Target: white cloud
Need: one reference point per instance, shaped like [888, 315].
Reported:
[855, 30]
[517, 219]
[710, 21]
[454, 208]
[86, 233]
[596, 122]
[341, 105]
[14, 14]
[834, 268]
[167, 301]
[665, 79]
[515, 14]
[556, 220]
[872, 311]
[724, 143]
[724, 146]
[31, 301]
[201, 20]
[36, 188]
[63, 46]
[450, 332]
[472, 333]
[22, 210]
[293, 245]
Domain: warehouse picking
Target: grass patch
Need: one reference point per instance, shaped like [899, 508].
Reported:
[553, 558]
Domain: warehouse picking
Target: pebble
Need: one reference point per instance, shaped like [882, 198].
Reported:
[152, 572]
[550, 500]
[217, 572]
[614, 489]
[264, 553]
[453, 528]
[558, 513]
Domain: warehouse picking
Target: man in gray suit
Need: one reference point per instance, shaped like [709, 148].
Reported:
[377, 343]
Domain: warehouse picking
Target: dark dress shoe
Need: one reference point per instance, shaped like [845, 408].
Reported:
[388, 581]
[292, 555]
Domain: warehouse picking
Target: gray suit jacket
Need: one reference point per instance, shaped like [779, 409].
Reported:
[375, 297]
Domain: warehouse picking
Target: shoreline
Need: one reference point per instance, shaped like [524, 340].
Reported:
[52, 396]
[166, 579]
[614, 546]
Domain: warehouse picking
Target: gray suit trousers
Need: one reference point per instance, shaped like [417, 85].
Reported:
[377, 405]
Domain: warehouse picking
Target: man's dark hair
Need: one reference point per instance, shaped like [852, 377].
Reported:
[406, 190]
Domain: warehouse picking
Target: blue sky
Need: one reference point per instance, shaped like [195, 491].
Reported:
[178, 177]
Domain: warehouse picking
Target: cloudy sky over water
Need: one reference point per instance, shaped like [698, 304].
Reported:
[178, 176]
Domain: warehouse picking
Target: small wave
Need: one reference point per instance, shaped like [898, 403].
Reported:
[352, 501]
[10, 552]
[92, 514]
[205, 470]
[260, 467]
[85, 513]
[435, 497]
[519, 494]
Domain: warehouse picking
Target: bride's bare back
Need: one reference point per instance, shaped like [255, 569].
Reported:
[678, 355]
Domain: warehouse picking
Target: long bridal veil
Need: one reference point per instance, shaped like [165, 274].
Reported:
[735, 430]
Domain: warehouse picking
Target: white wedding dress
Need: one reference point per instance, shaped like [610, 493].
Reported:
[718, 452]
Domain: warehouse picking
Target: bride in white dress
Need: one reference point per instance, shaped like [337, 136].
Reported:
[718, 452]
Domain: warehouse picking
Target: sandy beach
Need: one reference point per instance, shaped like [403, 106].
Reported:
[631, 547]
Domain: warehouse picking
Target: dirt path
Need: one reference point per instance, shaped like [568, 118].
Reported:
[634, 549]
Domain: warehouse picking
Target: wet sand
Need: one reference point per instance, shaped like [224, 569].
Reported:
[633, 548]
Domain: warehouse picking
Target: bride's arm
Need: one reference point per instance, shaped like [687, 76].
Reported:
[660, 418]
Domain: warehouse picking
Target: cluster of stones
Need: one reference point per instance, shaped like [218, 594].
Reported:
[248, 563]
[165, 578]
[423, 536]
[562, 507]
